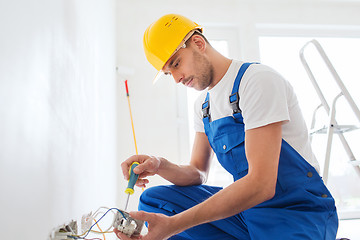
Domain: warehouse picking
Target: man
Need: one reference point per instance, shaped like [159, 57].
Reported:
[249, 116]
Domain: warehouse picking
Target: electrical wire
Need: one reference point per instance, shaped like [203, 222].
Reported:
[131, 117]
[132, 122]
[97, 213]
[102, 207]
[100, 228]
[94, 216]
[84, 235]
[94, 231]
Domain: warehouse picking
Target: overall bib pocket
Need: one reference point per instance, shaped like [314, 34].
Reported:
[230, 151]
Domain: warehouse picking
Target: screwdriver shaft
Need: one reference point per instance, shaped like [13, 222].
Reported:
[127, 202]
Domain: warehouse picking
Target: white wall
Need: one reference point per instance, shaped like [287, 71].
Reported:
[61, 116]
[57, 113]
[158, 109]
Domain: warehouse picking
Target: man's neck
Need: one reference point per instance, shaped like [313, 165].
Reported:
[221, 65]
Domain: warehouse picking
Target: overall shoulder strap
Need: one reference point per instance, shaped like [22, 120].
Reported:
[234, 96]
[206, 108]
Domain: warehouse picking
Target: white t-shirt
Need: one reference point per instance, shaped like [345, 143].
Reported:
[265, 98]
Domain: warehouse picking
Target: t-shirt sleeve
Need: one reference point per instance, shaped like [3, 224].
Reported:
[198, 123]
[263, 99]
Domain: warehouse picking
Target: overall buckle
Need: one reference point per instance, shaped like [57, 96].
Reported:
[234, 102]
[206, 109]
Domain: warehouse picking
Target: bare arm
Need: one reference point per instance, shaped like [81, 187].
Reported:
[182, 175]
[196, 171]
[262, 147]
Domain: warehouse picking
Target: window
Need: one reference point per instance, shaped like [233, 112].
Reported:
[282, 53]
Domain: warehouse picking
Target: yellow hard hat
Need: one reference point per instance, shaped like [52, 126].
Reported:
[163, 37]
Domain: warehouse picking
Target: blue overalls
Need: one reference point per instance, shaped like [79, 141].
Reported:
[302, 207]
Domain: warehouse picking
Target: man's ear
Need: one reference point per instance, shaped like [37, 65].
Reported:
[199, 42]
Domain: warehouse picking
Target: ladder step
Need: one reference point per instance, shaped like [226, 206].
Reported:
[337, 129]
[355, 163]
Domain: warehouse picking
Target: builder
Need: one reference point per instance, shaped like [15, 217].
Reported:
[249, 116]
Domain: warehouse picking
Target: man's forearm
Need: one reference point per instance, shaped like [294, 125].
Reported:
[182, 175]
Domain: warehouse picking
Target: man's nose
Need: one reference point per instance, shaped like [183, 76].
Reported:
[177, 77]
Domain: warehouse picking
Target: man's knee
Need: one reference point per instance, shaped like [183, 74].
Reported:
[153, 197]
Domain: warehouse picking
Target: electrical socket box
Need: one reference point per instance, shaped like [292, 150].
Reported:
[86, 221]
[62, 232]
[121, 220]
[127, 225]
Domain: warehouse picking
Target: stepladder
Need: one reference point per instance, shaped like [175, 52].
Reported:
[332, 126]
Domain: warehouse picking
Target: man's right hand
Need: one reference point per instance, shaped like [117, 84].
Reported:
[182, 175]
[149, 166]
[161, 227]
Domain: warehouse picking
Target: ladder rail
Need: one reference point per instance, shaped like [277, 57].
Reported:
[331, 112]
[312, 78]
[330, 135]
[334, 74]
[313, 120]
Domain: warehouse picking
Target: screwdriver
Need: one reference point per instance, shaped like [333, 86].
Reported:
[131, 183]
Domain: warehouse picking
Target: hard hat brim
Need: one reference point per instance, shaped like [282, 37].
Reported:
[160, 76]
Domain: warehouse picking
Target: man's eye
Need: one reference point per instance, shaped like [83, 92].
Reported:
[176, 65]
